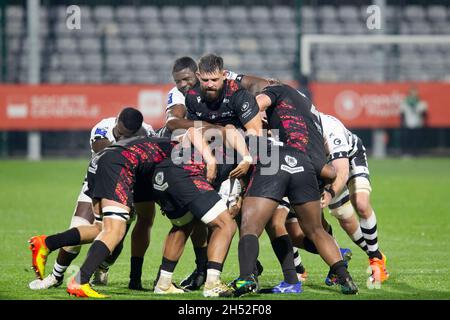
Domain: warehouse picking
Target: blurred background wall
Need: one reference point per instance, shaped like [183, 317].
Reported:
[123, 51]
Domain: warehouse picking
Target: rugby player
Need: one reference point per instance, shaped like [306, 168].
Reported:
[349, 195]
[117, 178]
[302, 161]
[217, 113]
[128, 123]
[186, 196]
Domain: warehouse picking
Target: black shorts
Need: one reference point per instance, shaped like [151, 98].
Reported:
[112, 176]
[180, 189]
[295, 178]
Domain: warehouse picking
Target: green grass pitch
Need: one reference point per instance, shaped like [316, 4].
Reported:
[411, 199]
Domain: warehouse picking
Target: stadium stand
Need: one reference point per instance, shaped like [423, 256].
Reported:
[137, 44]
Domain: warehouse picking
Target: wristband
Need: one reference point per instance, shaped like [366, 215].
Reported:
[247, 159]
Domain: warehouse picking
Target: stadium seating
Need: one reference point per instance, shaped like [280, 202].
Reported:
[138, 44]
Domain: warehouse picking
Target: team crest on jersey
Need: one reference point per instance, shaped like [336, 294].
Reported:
[337, 141]
[199, 99]
[159, 178]
[245, 106]
[169, 98]
[160, 184]
[291, 167]
[291, 161]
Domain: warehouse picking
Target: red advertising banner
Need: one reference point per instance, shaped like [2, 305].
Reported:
[79, 107]
[378, 105]
[75, 107]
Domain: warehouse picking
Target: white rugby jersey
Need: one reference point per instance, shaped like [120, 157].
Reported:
[104, 130]
[175, 96]
[339, 141]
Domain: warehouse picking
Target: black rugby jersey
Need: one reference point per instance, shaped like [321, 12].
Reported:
[298, 122]
[235, 106]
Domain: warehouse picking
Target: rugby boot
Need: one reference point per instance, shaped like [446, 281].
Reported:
[379, 272]
[39, 253]
[83, 290]
[136, 284]
[194, 281]
[331, 278]
[171, 289]
[245, 285]
[49, 281]
[348, 286]
[259, 268]
[302, 276]
[284, 287]
[217, 289]
[100, 277]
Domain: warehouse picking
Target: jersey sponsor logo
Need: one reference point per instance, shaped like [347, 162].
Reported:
[337, 141]
[93, 165]
[160, 184]
[213, 115]
[101, 132]
[245, 106]
[169, 98]
[292, 170]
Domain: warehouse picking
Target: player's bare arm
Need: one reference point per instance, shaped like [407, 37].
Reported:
[100, 144]
[263, 101]
[235, 140]
[256, 84]
[341, 165]
[175, 119]
[198, 140]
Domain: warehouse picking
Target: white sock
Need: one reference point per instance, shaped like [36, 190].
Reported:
[369, 231]
[58, 270]
[212, 275]
[358, 238]
[165, 279]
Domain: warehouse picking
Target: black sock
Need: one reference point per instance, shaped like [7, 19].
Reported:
[168, 265]
[65, 258]
[114, 255]
[63, 261]
[97, 253]
[214, 265]
[298, 268]
[248, 250]
[375, 254]
[136, 268]
[67, 238]
[201, 258]
[282, 246]
[310, 246]
[340, 270]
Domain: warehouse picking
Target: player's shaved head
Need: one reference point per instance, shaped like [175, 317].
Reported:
[184, 63]
[131, 120]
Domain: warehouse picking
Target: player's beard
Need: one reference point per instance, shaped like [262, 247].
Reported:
[210, 95]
